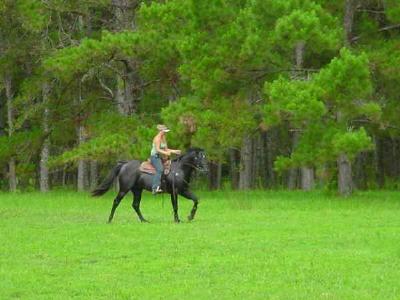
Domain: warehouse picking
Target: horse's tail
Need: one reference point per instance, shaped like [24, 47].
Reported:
[107, 182]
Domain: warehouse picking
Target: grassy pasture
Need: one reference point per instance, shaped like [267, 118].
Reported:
[242, 245]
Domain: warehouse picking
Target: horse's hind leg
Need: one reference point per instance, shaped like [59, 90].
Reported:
[116, 202]
[137, 197]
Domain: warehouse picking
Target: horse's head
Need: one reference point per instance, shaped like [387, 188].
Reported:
[196, 157]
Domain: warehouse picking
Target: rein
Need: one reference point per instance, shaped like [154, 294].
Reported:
[192, 165]
[196, 168]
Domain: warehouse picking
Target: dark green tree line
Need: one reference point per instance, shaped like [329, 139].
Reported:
[294, 94]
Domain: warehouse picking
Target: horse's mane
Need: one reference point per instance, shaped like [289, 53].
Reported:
[189, 151]
[194, 149]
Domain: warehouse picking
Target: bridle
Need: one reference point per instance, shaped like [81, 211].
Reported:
[194, 166]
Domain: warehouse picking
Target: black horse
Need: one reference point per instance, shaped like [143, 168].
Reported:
[175, 183]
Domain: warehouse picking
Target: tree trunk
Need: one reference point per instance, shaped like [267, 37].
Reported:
[389, 157]
[128, 91]
[396, 156]
[82, 172]
[379, 160]
[306, 173]
[299, 56]
[263, 166]
[345, 179]
[219, 175]
[64, 177]
[125, 14]
[294, 172]
[345, 182]
[258, 162]
[2, 128]
[350, 6]
[245, 180]
[360, 177]
[307, 178]
[44, 155]
[2, 117]
[82, 178]
[12, 175]
[126, 100]
[94, 175]
[214, 175]
[234, 158]
[82, 164]
[270, 155]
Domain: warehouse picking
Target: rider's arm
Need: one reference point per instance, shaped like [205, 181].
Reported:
[171, 150]
[157, 143]
[175, 151]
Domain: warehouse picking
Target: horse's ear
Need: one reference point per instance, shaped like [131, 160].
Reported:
[195, 149]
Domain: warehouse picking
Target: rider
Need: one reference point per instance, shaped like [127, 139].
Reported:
[160, 152]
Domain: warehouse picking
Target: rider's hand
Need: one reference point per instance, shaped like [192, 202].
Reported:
[178, 152]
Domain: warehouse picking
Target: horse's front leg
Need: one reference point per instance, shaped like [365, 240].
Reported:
[193, 197]
[174, 201]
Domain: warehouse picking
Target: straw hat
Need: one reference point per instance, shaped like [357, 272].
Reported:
[162, 127]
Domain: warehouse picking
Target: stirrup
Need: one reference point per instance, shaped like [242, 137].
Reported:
[158, 190]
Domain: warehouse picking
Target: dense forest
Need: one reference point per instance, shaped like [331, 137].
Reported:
[296, 94]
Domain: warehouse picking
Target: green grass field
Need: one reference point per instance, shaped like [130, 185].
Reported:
[255, 245]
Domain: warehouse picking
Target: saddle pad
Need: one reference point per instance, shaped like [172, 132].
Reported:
[147, 167]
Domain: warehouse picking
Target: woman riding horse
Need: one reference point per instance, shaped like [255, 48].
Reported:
[132, 179]
[160, 152]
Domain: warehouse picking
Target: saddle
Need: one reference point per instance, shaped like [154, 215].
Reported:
[148, 168]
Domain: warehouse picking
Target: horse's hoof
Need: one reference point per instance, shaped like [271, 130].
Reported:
[144, 221]
[177, 221]
[190, 218]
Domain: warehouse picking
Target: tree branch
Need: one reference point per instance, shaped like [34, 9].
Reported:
[118, 4]
[371, 11]
[389, 27]
[146, 84]
[106, 88]
[54, 9]
[264, 73]
[386, 28]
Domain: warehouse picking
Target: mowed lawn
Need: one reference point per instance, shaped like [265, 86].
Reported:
[242, 245]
